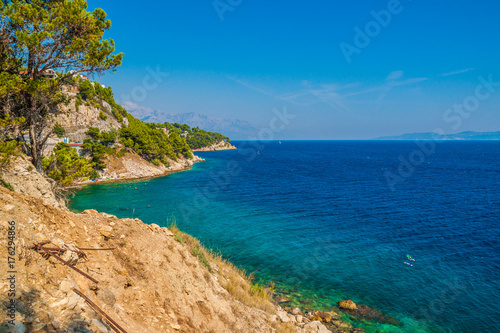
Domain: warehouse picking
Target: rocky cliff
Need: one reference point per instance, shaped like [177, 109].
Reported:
[216, 147]
[132, 166]
[77, 119]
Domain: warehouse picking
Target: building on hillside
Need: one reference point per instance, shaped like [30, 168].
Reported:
[71, 89]
[83, 77]
[48, 73]
[77, 146]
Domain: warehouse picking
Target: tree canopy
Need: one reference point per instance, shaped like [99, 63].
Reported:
[43, 45]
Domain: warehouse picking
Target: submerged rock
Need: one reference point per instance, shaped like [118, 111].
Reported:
[324, 317]
[367, 313]
[342, 325]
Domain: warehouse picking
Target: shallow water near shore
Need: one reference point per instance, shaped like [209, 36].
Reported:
[320, 219]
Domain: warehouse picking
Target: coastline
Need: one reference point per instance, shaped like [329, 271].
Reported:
[216, 148]
[132, 167]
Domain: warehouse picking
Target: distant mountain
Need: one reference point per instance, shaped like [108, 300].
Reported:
[470, 135]
[233, 128]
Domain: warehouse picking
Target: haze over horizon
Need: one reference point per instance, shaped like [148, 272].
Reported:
[344, 70]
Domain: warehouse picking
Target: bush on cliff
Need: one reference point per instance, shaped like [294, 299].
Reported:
[65, 166]
[199, 138]
[195, 137]
[151, 142]
[8, 150]
[59, 130]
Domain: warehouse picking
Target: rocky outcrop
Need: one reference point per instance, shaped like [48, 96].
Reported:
[23, 177]
[348, 304]
[76, 123]
[218, 146]
[316, 326]
[366, 313]
[132, 166]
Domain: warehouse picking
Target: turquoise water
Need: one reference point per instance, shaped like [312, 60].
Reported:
[320, 219]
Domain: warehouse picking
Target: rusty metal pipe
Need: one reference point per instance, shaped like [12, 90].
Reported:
[70, 266]
[102, 313]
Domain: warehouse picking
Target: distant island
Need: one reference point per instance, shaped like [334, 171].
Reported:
[469, 135]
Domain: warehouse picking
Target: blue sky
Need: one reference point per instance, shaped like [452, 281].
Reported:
[245, 58]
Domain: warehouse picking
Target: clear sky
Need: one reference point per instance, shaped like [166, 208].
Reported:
[345, 69]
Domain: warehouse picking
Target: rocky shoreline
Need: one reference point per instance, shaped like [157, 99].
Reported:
[133, 167]
[217, 147]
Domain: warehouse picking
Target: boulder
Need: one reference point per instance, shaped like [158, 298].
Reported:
[348, 304]
[316, 327]
[106, 231]
[167, 231]
[296, 311]
[324, 317]
[283, 316]
[66, 286]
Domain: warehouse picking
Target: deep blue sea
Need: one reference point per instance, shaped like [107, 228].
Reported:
[321, 219]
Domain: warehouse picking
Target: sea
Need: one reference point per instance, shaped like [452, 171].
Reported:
[409, 228]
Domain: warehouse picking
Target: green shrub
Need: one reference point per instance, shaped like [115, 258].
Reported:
[64, 165]
[78, 102]
[8, 150]
[150, 142]
[102, 115]
[59, 131]
[179, 239]
[106, 94]
[94, 133]
[107, 137]
[6, 185]
[198, 252]
[86, 90]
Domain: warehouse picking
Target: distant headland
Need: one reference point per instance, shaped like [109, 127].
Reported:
[469, 135]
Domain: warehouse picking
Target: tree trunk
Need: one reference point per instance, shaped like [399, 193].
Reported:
[35, 153]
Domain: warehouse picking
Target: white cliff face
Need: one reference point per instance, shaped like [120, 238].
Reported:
[76, 122]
